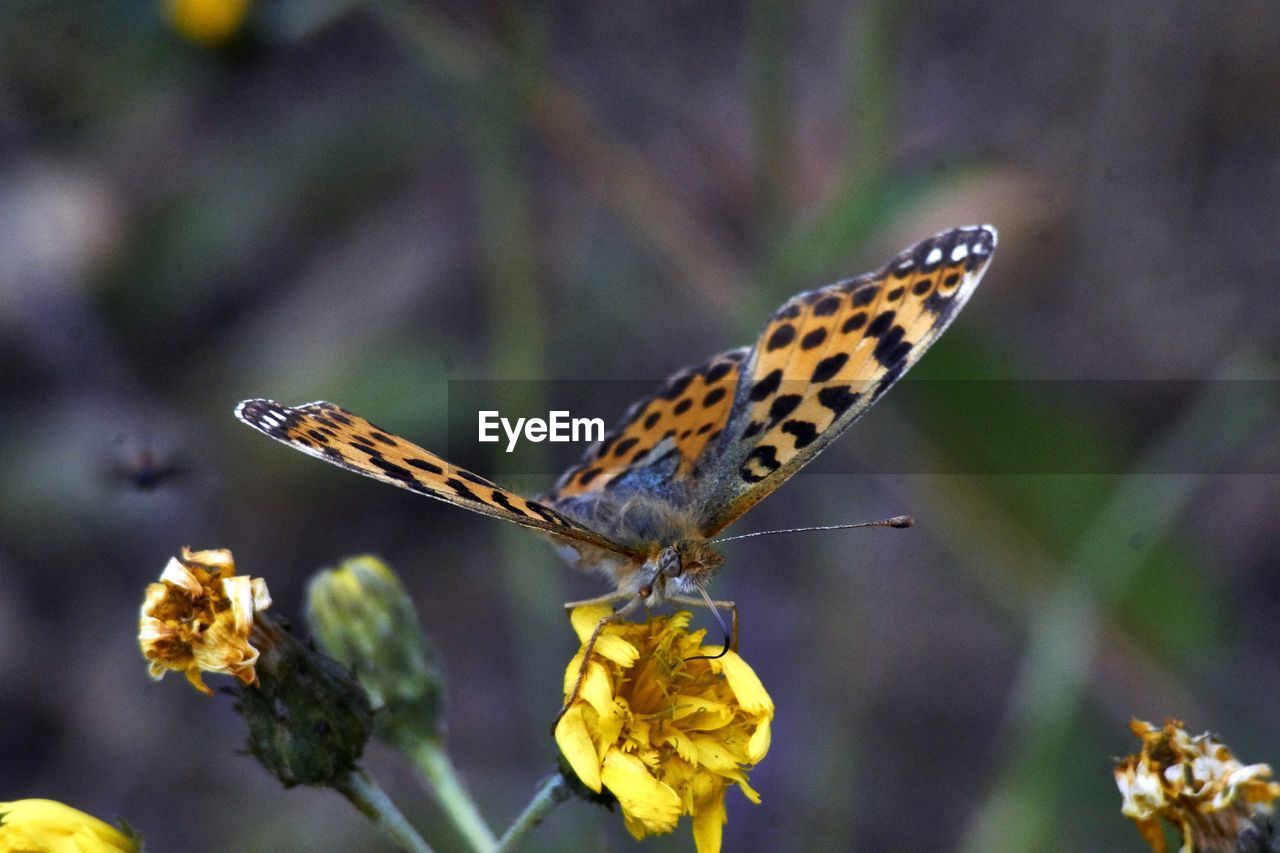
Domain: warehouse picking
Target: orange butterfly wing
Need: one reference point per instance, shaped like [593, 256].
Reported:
[826, 356]
[683, 418]
[342, 438]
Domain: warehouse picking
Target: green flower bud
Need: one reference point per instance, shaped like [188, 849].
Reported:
[308, 718]
[361, 614]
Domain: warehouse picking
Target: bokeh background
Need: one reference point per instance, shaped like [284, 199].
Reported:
[366, 202]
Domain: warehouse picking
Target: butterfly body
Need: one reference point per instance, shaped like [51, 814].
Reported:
[644, 504]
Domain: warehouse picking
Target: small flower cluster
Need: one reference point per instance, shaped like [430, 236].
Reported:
[1196, 784]
[662, 724]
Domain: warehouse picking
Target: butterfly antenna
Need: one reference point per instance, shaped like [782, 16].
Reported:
[896, 521]
[720, 621]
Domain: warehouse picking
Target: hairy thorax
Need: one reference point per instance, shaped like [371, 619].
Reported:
[673, 557]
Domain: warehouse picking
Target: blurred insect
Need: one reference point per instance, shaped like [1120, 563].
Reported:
[644, 504]
[142, 467]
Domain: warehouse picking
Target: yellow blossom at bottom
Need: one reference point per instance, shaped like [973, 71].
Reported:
[206, 21]
[1196, 784]
[199, 617]
[47, 826]
[665, 735]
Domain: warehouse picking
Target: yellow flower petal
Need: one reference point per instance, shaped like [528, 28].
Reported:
[51, 827]
[579, 750]
[699, 713]
[641, 796]
[585, 619]
[745, 684]
[713, 756]
[758, 745]
[708, 827]
[597, 688]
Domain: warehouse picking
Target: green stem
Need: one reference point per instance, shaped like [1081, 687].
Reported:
[433, 762]
[552, 793]
[373, 803]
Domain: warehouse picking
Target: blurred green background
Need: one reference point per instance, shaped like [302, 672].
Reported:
[361, 202]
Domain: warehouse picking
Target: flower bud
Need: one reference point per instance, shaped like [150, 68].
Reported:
[361, 614]
[308, 718]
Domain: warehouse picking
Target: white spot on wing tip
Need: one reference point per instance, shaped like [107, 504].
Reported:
[934, 256]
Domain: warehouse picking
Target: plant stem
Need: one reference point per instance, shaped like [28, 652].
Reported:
[552, 793]
[433, 762]
[374, 804]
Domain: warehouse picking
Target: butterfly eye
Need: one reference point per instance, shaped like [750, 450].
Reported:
[669, 563]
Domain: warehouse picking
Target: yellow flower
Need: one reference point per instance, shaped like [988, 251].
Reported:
[1196, 784]
[199, 617]
[208, 22]
[47, 826]
[666, 735]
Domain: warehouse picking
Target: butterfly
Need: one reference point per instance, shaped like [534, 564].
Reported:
[713, 441]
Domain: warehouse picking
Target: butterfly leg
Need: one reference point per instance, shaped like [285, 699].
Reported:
[621, 613]
[731, 606]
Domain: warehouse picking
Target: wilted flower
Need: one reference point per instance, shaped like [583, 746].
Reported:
[48, 826]
[207, 22]
[361, 614]
[199, 617]
[1197, 785]
[665, 735]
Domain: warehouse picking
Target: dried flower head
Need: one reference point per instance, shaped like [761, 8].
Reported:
[1196, 784]
[47, 825]
[199, 617]
[665, 735]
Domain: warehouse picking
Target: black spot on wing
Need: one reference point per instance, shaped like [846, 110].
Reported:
[891, 375]
[676, 387]
[804, 431]
[424, 465]
[826, 306]
[781, 337]
[864, 296]
[461, 490]
[813, 339]
[881, 324]
[854, 323]
[718, 372]
[837, 398]
[392, 470]
[766, 457]
[499, 499]
[829, 367]
[766, 386]
[783, 406]
[891, 348]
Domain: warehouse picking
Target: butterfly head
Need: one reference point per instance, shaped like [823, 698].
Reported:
[680, 569]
